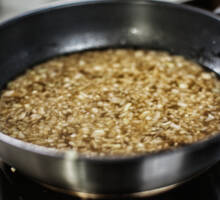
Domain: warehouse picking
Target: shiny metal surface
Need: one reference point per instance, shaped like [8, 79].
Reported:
[175, 1]
[82, 25]
[142, 194]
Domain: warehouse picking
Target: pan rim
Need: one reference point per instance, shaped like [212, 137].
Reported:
[74, 155]
[72, 3]
[108, 158]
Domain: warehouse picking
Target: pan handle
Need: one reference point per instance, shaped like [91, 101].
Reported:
[217, 11]
[212, 5]
[216, 6]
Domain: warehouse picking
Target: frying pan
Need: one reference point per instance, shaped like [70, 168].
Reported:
[82, 25]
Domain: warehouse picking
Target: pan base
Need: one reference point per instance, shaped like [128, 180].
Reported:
[84, 195]
[143, 194]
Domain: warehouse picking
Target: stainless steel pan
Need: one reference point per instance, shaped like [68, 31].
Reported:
[45, 33]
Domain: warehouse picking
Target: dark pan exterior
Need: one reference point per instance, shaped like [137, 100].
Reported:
[37, 36]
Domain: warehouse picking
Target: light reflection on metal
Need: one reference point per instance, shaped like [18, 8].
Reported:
[175, 1]
[84, 195]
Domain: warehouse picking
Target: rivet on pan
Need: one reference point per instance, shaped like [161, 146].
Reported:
[13, 170]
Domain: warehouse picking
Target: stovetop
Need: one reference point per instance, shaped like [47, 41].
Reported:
[14, 186]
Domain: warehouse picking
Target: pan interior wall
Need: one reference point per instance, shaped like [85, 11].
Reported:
[31, 39]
